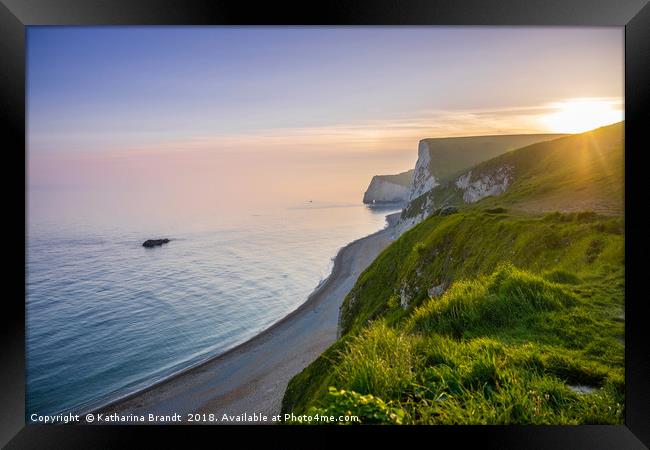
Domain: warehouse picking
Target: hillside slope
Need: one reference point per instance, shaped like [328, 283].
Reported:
[441, 158]
[503, 310]
[572, 173]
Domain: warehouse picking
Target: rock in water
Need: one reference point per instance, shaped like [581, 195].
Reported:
[154, 242]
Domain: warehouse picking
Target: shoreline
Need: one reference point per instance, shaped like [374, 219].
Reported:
[265, 360]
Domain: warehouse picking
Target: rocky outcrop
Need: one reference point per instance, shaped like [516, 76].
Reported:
[154, 242]
[469, 187]
[436, 290]
[406, 223]
[389, 188]
[404, 297]
[484, 185]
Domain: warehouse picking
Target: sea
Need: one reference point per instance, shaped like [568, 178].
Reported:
[106, 317]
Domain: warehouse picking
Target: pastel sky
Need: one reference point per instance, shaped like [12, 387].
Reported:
[219, 110]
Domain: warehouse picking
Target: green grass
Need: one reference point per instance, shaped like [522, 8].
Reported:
[572, 173]
[473, 243]
[488, 304]
[452, 155]
[532, 306]
[436, 379]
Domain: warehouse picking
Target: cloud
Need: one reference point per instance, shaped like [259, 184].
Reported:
[397, 133]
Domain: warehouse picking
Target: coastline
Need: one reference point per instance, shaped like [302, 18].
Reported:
[251, 378]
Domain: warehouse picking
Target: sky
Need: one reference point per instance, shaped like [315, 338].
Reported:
[124, 115]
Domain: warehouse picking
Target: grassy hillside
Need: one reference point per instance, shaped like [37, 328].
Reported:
[505, 312]
[573, 173]
[581, 172]
[450, 155]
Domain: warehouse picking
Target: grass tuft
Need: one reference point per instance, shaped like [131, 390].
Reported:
[503, 299]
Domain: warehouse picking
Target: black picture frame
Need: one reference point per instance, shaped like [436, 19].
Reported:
[634, 15]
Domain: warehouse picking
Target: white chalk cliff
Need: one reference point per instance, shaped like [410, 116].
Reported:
[448, 172]
[381, 190]
[423, 179]
[389, 188]
[472, 189]
[487, 184]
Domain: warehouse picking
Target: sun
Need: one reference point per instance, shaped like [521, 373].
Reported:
[579, 115]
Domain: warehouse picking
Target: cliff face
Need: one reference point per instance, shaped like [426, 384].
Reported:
[485, 185]
[423, 178]
[389, 188]
[470, 187]
[442, 173]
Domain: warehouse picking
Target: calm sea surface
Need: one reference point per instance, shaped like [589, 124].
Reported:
[106, 317]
